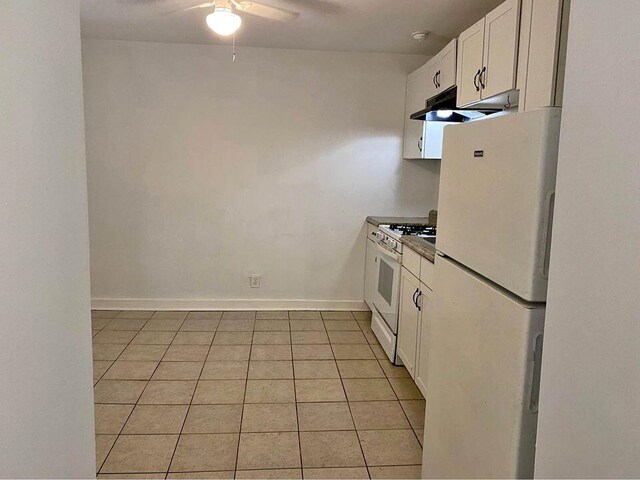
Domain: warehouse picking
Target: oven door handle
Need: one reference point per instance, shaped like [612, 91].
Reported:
[389, 253]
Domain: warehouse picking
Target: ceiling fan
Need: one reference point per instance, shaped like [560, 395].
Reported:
[224, 20]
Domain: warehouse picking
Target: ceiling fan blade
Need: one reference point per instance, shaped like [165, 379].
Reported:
[181, 10]
[197, 7]
[266, 11]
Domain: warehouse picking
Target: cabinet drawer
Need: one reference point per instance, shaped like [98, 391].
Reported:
[426, 272]
[411, 261]
[371, 231]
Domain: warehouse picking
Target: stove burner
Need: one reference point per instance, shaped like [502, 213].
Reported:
[417, 230]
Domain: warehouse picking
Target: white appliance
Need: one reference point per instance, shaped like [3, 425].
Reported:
[495, 211]
[382, 281]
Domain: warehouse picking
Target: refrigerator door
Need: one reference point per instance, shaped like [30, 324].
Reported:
[497, 180]
[484, 357]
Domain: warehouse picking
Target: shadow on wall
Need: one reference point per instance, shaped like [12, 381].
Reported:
[419, 178]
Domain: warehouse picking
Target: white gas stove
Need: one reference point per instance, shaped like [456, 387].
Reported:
[389, 235]
[382, 286]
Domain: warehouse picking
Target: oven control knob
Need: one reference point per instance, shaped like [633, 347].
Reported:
[392, 243]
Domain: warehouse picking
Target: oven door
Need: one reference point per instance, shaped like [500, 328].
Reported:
[387, 294]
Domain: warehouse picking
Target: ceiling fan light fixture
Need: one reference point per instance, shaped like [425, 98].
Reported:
[224, 21]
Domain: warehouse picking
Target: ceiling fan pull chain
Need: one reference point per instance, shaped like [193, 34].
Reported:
[234, 47]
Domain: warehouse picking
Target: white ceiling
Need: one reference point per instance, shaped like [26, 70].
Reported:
[339, 25]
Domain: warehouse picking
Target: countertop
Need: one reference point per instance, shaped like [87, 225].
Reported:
[375, 221]
[420, 246]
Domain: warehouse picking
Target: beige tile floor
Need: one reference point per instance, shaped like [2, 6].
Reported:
[250, 395]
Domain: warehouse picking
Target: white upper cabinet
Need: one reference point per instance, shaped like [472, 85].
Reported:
[470, 50]
[442, 70]
[417, 88]
[415, 100]
[447, 70]
[435, 76]
[432, 74]
[542, 56]
[500, 56]
[488, 55]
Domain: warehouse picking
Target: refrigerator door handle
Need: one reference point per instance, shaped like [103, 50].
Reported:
[546, 239]
[534, 387]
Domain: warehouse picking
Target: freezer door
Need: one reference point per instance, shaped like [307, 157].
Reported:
[497, 181]
[482, 407]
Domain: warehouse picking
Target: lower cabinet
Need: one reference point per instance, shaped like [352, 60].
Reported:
[408, 324]
[416, 309]
[426, 317]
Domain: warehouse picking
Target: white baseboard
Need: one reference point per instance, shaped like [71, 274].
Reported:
[211, 304]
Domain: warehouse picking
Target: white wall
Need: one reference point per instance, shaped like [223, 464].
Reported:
[203, 171]
[46, 404]
[589, 422]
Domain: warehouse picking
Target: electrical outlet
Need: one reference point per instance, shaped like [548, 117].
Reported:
[254, 281]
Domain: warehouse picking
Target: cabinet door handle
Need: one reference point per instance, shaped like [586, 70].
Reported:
[434, 81]
[482, 78]
[420, 144]
[475, 81]
[414, 297]
[416, 302]
[438, 78]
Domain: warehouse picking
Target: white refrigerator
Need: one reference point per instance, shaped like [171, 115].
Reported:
[495, 212]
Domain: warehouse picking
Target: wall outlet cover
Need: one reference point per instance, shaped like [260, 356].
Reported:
[254, 281]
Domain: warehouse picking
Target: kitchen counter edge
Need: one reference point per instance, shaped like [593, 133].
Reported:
[420, 246]
[376, 221]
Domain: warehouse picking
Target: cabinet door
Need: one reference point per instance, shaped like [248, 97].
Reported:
[417, 89]
[408, 321]
[413, 138]
[539, 57]
[501, 49]
[415, 101]
[370, 273]
[433, 66]
[426, 304]
[447, 67]
[470, 48]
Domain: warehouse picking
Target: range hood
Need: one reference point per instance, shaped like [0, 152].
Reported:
[440, 112]
[442, 108]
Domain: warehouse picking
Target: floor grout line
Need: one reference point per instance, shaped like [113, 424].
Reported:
[244, 398]
[295, 398]
[364, 458]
